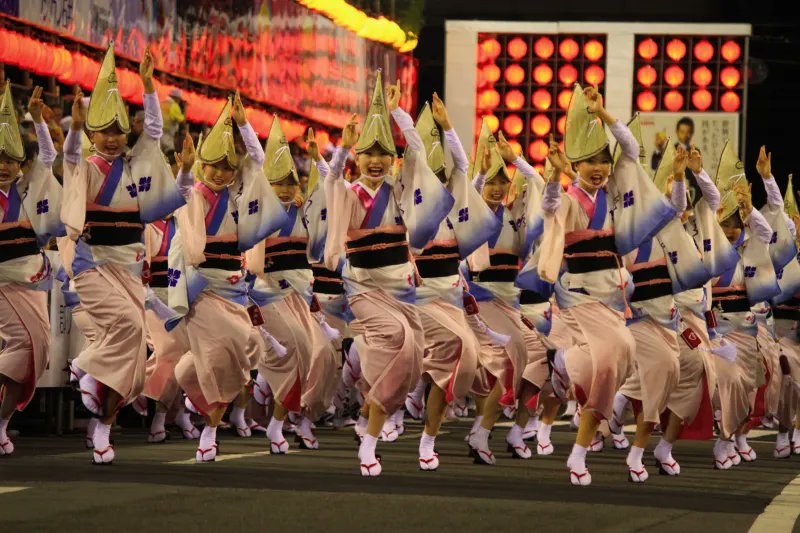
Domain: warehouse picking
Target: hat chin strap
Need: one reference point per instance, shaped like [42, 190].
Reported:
[105, 156]
[590, 184]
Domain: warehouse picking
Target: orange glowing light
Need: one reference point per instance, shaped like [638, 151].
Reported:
[594, 75]
[491, 73]
[703, 51]
[540, 125]
[563, 98]
[647, 75]
[730, 77]
[543, 47]
[517, 48]
[593, 50]
[648, 49]
[676, 49]
[568, 74]
[488, 99]
[492, 122]
[730, 51]
[542, 74]
[515, 146]
[702, 76]
[730, 102]
[561, 124]
[515, 99]
[515, 74]
[542, 99]
[701, 99]
[673, 101]
[646, 101]
[538, 150]
[569, 49]
[674, 75]
[491, 49]
[512, 125]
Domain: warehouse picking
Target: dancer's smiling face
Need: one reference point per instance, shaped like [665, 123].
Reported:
[110, 141]
[374, 162]
[495, 189]
[594, 171]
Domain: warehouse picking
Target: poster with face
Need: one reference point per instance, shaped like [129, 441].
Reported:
[707, 131]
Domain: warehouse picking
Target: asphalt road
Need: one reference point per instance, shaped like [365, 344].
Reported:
[159, 487]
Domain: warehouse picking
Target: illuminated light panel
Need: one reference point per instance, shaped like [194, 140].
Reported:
[542, 99]
[561, 124]
[731, 51]
[491, 73]
[646, 101]
[702, 76]
[703, 51]
[569, 49]
[563, 98]
[648, 49]
[593, 50]
[701, 99]
[491, 49]
[594, 75]
[492, 122]
[730, 77]
[647, 75]
[538, 150]
[489, 99]
[512, 125]
[515, 99]
[674, 75]
[676, 49]
[542, 74]
[730, 102]
[515, 74]
[540, 125]
[543, 48]
[568, 74]
[673, 101]
[517, 48]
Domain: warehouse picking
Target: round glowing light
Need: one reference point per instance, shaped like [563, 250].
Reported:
[538, 150]
[515, 74]
[542, 99]
[648, 49]
[647, 75]
[676, 49]
[491, 73]
[703, 51]
[674, 75]
[540, 125]
[730, 51]
[491, 49]
[539, 168]
[512, 125]
[543, 47]
[561, 124]
[701, 99]
[729, 102]
[568, 74]
[515, 146]
[646, 101]
[492, 122]
[569, 49]
[702, 76]
[542, 74]
[730, 77]
[593, 50]
[594, 75]
[563, 98]
[515, 99]
[673, 101]
[480, 78]
[488, 99]
[517, 48]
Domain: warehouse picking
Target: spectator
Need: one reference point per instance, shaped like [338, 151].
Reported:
[684, 131]
[173, 109]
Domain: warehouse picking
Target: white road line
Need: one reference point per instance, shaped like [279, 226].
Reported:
[228, 457]
[782, 512]
[8, 490]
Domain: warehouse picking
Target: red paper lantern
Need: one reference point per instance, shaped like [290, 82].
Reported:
[703, 51]
[542, 99]
[674, 75]
[568, 74]
[514, 99]
[730, 102]
[646, 101]
[517, 48]
[515, 74]
[673, 101]
[542, 74]
[648, 49]
[702, 76]
[731, 51]
[512, 125]
[543, 47]
[569, 49]
[593, 50]
[647, 75]
[540, 125]
[594, 75]
[676, 49]
[701, 99]
[730, 77]
[538, 150]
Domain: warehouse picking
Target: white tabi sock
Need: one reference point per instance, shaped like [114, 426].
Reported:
[426, 445]
[237, 417]
[366, 452]
[543, 436]
[663, 451]
[157, 425]
[635, 457]
[208, 438]
[3, 427]
[275, 430]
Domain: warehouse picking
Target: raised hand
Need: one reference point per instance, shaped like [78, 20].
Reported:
[350, 132]
[764, 163]
[36, 104]
[78, 111]
[187, 155]
[505, 149]
[679, 164]
[485, 159]
[594, 100]
[557, 158]
[440, 113]
[744, 197]
[393, 94]
[146, 71]
[311, 145]
[695, 162]
[238, 112]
